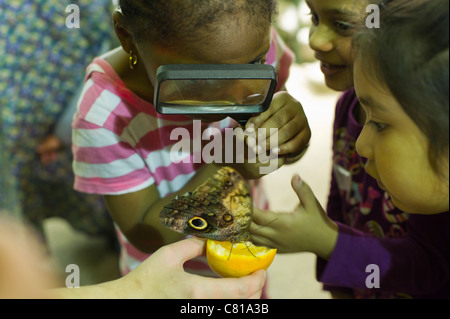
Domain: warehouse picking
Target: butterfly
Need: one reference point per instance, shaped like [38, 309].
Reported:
[220, 209]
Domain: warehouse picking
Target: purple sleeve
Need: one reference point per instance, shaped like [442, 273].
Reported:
[416, 264]
[334, 204]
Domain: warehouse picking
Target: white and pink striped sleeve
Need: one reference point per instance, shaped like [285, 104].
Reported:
[104, 163]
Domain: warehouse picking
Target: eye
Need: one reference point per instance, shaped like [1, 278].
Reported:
[198, 223]
[228, 218]
[260, 61]
[380, 127]
[314, 18]
[344, 27]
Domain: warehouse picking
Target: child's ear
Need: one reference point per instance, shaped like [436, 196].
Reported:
[124, 36]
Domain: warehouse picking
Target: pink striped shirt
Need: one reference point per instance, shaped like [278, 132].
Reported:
[122, 145]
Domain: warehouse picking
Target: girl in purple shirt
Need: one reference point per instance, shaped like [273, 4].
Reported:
[385, 233]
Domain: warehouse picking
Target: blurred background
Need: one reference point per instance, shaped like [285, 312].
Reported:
[86, 241]
[293, 25]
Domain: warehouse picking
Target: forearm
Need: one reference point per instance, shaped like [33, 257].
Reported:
[116, 289]
[325, 243]
[149, 234]
[105, 290]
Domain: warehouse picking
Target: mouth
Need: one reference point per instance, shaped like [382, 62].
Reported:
[330, 69]
[372, 173]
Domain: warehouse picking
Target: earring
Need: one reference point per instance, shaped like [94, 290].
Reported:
[133, 60]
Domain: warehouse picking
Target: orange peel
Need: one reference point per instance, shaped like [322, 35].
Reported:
[237, 259]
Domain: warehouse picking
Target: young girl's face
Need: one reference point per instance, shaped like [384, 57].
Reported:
[334, 22]
[397, 151]
[226, 45]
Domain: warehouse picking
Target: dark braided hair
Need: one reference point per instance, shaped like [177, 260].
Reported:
[171, 21]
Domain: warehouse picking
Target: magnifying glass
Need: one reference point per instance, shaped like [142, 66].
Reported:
[235, 90]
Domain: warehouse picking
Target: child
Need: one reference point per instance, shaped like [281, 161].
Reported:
[406, 106]
[413, 263]
[122, 146]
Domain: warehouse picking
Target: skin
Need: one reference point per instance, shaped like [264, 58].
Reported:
[24, 269]
[137, 214]
[48, 149]
[333, 24]
[397, 157]
[172, 281]
[306, 229]
[25, 272]
[397, 151]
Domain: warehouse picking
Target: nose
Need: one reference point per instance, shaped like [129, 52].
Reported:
[363, 143]
[320, 38]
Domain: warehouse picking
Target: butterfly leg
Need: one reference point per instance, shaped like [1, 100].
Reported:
[231, 249]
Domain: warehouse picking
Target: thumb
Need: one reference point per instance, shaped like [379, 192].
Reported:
[188, 249]
[304, 192]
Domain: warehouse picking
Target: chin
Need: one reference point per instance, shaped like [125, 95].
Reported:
[339, 83]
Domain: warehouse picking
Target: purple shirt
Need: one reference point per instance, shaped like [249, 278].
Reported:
[409, 251]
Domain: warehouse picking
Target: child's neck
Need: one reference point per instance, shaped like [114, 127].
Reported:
[135, 80]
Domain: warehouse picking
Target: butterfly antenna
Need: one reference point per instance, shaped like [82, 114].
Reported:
[267, 224]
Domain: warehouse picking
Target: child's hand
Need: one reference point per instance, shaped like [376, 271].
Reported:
[308, 228]
[48, 149]
[287, 115]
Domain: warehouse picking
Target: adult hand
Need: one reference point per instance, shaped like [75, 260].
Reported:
[162, 276]
[25, 271]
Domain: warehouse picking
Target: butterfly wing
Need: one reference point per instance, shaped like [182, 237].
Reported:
[219, 209]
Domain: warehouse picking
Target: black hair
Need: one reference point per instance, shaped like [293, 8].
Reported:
[409, 53]
[172, 21]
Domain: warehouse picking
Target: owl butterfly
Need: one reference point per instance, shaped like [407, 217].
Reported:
[219, 209]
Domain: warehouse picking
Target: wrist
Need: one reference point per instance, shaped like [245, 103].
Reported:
[327, 240]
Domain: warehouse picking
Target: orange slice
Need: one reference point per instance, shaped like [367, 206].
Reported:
[245, 258]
